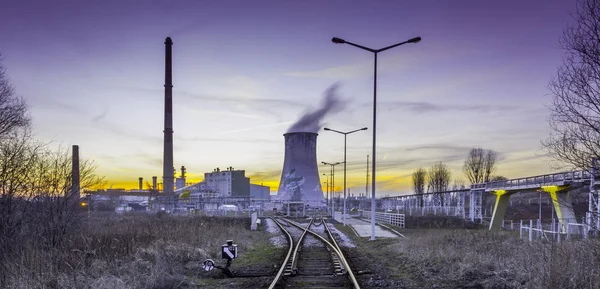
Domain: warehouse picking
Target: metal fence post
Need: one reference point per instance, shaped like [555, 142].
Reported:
[521, 230]
[530, 232]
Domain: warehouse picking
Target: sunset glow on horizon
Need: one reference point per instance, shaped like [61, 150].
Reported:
[244, 72]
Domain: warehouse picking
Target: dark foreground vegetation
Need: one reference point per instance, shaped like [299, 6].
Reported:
[161, 251]
[476, 258]
[134, 251]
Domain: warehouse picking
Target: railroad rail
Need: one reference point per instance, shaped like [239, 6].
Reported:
[305, 266]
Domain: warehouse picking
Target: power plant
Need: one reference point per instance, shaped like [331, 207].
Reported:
[300, 175]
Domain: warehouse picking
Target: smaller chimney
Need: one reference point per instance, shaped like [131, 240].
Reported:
[154, 183]
[141, 183]
[75, 185]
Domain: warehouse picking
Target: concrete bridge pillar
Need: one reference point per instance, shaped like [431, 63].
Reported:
[502, 201]
[562, 205]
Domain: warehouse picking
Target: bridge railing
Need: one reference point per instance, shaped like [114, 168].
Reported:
[536, 180]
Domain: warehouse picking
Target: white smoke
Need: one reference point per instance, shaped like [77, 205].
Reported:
[310, 121]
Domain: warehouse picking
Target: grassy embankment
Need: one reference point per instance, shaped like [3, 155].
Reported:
[446, 255]
[141, 251]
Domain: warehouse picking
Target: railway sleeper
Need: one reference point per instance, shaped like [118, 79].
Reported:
[288, 269]
[339, 268]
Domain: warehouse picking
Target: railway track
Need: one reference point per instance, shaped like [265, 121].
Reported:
[314, 259]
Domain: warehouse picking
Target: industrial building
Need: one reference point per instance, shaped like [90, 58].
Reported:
[228, 183]
[260, 192]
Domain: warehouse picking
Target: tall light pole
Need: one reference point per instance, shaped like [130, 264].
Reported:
[332, 184]
[345, 135]
[375, 52]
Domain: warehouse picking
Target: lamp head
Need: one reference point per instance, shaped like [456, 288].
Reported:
[364, 128]
[414, 40]
[326, 128]
[340, 40]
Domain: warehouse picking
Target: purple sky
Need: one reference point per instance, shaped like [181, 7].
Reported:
[244, 71]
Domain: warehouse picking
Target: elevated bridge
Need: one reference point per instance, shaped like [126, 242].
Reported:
[467, 203]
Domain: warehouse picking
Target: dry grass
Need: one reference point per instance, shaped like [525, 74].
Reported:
[460, 258]
[135, 251]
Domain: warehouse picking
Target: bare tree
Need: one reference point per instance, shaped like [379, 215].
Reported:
[13, 108]
[439, 177]
[480, 165]
[458, 184]
[575, 108]
[498, 178]
[37, 205]
[418, 179]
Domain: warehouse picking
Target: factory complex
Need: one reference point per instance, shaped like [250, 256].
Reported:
[226, 186]
[220, 189]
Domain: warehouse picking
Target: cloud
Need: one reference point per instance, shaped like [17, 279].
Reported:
[364, 68]
[340, 72]
[265, 175]
[260, 102]
[241, 140]
[270, 106]
[257, 127]
[125, 133]
[440, 147]
[50, 103]
[149, 159]
[101, 116]
[403, 158]
[524, 156]
[425, 107]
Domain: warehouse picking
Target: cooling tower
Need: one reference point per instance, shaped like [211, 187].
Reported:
[300, 176]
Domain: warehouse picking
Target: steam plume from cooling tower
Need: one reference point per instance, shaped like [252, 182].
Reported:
[310, 121]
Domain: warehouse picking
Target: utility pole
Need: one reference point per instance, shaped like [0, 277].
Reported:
[332, 191]
[332, 185]
[327, 198]
[367, 184]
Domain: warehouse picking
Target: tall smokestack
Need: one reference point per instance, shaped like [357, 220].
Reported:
[300, 176]
[154, 182]
[168, 174]
[141, 182]
[75, 185]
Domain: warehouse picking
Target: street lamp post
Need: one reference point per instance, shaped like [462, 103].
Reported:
[375, 52]
[345, 135]
[332, 186]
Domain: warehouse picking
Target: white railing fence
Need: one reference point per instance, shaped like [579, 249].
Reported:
[554, 231]
[386, 218]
